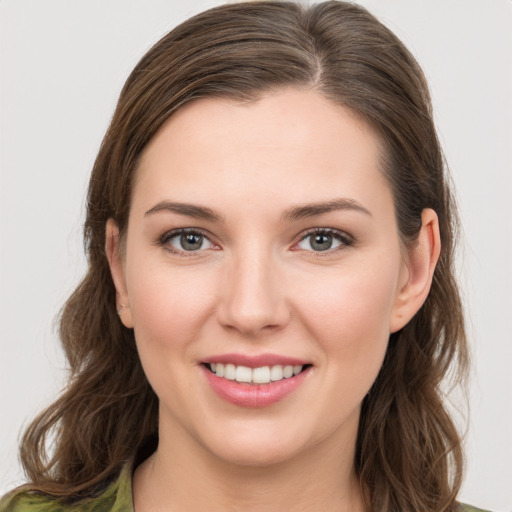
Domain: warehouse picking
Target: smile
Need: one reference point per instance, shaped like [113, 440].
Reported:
[257, 381]
[260, 375]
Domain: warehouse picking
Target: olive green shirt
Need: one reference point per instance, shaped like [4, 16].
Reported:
[117, 497]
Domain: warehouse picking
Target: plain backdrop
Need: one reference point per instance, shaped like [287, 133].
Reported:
[63, 63]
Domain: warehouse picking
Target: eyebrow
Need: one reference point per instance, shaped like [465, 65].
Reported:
[190, 210]
[291, 215]
[313, 209]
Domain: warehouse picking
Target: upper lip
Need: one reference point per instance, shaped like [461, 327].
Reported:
[255, 361]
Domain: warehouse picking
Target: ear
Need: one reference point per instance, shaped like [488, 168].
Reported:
[116, 263]
[419, 265]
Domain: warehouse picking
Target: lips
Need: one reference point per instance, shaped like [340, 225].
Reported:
[254, 381]
[260, 375]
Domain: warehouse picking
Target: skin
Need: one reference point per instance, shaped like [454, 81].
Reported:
[257, 285]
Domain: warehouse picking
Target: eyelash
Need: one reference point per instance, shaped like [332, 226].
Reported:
[345, 240]
[166, 237]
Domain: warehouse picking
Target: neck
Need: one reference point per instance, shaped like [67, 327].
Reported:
[182, 475]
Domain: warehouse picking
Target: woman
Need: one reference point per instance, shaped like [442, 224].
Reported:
[270, 304]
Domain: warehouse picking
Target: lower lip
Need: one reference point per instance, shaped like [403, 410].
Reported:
[254, 395]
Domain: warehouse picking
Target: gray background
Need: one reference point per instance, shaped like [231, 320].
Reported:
[62, 66]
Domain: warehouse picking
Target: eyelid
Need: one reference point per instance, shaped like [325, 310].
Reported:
[165, 237]
[343, 237]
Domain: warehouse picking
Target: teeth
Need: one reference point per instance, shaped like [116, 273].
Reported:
[243, 374]
[287, 372]
[230, 372]
[261, 375]
[276, 373]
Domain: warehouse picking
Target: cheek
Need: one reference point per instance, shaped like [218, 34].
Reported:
[170, 310]
[349, 315]
[353, 299]
[169, 306]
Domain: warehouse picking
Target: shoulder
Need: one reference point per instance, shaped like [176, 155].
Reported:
[116, 497]
[469, 508]
[26, 501]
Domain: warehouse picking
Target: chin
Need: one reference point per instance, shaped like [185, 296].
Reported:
[257, 455]
[258, 444]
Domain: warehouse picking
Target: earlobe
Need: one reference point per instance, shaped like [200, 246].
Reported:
[115, 261]
[421, 261]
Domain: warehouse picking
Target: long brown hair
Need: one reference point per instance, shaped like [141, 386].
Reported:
[408, 451]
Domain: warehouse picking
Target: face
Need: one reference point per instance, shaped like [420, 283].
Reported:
[262, 273]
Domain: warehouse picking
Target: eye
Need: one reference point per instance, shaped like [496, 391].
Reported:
[187, 240]
[321, 240]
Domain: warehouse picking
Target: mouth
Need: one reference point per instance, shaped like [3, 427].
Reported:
[257, 381]
[259, 375]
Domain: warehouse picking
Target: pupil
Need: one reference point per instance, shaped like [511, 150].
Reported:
[321, 242]
[191, 241]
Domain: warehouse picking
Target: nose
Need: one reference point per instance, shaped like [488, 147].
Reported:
[253, 295]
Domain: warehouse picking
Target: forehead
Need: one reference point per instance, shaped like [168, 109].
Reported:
[287, 145]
